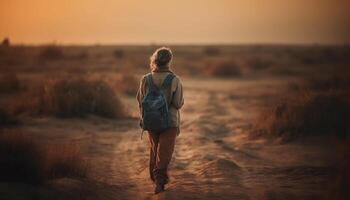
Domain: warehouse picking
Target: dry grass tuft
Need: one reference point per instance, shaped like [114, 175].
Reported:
[307, 112]
[22, 159]
[65, 161]
[77, 97]
[224, 69]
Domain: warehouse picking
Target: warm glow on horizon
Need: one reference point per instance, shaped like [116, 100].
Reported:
[180, 21]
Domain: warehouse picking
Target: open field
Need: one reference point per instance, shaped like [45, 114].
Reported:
[259, 122]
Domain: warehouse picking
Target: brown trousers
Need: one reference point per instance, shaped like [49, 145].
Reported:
[162, 148]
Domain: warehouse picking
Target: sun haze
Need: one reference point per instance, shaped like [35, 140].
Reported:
[180, 21]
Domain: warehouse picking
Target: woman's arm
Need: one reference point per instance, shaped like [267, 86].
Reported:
[178, 99]
[141, 91]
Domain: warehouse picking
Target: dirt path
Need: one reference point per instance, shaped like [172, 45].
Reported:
[213, 160]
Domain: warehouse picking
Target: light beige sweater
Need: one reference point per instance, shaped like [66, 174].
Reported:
[173, 95]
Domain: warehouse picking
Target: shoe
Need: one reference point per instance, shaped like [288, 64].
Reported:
[159, 188]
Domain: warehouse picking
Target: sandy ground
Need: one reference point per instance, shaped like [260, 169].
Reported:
[213, 159]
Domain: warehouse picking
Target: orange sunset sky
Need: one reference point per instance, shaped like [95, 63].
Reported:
[177, 21]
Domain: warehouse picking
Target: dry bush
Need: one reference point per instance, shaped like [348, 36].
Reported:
[75, 97]
[5, 42]
[9, 82]
[22, 159]
[306, 112]
[223, 69]
[51, 52]
[118, 53]
[211, 51]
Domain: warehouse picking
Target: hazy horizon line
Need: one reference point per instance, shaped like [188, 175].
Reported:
[180, 43]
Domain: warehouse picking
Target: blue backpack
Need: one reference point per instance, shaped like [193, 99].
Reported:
[155, 110]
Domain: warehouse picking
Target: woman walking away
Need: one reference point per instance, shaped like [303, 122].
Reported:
[160, 98]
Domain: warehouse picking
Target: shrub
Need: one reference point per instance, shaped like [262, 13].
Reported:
[72, 98]
[118, 53]
[224, 69]
[22, 159]
[5, 42]
[51, 53]
[9, 83]
[211, 51]
[306, 113]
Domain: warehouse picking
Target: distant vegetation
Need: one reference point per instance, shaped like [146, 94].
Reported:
[51, 52]
[211, 51]
[224, 69]
[118, 53]
[275, 60]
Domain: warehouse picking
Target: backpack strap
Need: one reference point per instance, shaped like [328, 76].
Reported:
[167, 81]
[150, 82]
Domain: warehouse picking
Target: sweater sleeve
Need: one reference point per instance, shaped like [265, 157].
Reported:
[141, 91]
[178, 99]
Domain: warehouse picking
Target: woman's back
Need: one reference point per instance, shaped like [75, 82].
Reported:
[173, 94]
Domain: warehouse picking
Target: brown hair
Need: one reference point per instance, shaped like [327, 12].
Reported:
[161, 58]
